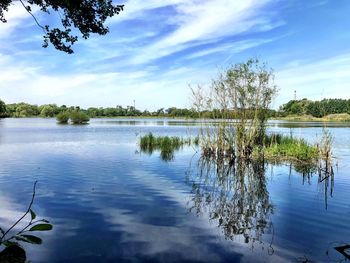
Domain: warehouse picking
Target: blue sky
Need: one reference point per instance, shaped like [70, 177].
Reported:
[157, 48]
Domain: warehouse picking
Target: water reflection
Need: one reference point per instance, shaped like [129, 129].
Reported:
[110, 205]
[11, 239]
[235, 196]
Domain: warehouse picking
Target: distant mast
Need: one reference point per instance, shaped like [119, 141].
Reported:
[295, 95]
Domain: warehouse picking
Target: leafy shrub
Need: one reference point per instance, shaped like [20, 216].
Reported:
[2, 108]
[79, 117]
[63, 117]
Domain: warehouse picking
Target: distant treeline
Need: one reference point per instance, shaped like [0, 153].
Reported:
[293, 107]
[315, 108]
[51, 110]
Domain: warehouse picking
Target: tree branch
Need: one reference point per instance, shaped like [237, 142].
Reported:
[36, 21]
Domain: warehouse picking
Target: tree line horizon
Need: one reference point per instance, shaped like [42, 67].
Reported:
[318, 108]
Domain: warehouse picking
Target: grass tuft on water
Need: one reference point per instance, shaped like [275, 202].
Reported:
[166, 144]
[278, 146]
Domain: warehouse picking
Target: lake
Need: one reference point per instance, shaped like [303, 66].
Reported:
[109, 202]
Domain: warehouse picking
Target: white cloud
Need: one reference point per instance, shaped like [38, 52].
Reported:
[199, 22]
[111, 71]
[134, 9]
[230, 48]
[15, 16]
[327, 78]
[23, 82]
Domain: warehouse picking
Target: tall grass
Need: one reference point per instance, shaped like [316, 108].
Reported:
[278, 147]
[166, 144]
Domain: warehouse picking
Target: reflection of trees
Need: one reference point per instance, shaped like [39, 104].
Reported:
[235, 196]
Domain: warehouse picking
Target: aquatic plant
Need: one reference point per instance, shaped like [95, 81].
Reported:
[288, 147]
[326, 145]
[241, 97]
[166, 144]
[63, 117]
[79, 117]
[13, 251]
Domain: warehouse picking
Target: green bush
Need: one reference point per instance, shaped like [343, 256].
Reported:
[2, 109]
[79, 117]
[278, 146]
[63, 117]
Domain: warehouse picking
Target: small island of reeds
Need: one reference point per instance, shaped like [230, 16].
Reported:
[248, 90]
[167, 145]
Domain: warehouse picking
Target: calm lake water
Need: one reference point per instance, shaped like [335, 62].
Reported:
[110, 203]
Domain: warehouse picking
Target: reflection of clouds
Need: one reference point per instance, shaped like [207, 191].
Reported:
[159, 239]
[189, 238]
[10, 211]
[95, 188]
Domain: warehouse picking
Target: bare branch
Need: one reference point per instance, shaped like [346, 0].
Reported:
[36, 21]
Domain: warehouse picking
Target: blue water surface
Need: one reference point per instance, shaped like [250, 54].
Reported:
[108, 202]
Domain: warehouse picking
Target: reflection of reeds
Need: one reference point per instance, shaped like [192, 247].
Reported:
[235, 195]
[166, 144]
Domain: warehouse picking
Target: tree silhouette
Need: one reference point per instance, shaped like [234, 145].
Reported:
[88, 16]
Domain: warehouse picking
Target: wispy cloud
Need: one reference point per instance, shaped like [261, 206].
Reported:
[155, 48]
[230, 48]
[205, 22]
[328, 77]
[16, 16]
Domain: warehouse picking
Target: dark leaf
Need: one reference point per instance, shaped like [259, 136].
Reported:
[33, 215]
[13, 254]
[29, 239]
[41, 227]
[9, 243]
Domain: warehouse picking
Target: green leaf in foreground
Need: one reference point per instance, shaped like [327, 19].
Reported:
[32, 214]
[29, 239]
[41, 227]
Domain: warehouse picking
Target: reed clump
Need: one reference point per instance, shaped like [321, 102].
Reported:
[241, 96]
[287, 147]
[167, 145]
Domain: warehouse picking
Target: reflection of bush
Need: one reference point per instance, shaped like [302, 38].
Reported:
[235, 195]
